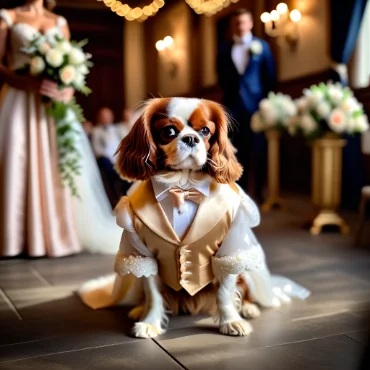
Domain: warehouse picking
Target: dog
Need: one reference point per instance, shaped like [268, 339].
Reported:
[177, 147]
[187, 245]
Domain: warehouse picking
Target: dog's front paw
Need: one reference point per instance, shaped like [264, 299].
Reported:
[145, 330]
[240, 328]
[250, 310]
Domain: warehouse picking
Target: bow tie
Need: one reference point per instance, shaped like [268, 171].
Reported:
[179, 196]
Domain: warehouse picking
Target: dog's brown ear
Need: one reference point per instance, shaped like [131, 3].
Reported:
[137, 153]
[223, 166]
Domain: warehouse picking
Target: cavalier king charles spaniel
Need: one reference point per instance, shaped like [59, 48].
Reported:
[185, 222]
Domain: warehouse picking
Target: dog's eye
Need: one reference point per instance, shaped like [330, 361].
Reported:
[169, 132]
[205, 131]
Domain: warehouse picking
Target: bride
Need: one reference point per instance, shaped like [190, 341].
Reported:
[37, 214]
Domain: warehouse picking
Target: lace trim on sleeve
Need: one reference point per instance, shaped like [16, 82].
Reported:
[251, 259]
[137, 266]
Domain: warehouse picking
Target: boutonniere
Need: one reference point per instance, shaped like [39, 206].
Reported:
[256, 48]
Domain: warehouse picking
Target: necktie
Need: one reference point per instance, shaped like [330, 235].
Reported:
[179, 196]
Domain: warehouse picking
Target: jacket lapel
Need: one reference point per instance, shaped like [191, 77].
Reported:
[211, 210]
[150, 212]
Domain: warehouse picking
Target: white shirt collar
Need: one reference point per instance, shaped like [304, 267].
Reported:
[244, 40]
[161, 189]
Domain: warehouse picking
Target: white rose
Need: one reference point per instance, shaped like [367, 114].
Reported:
[335, 94]
[83, 69]
[361, 124]
[302, 104]
[288, 106]
[54, 58]
[64, 47]
[79, 80]
[256, 123]
[67, 74]
[76, 56]
[350, 105]
[316, 97]
[37, 66]
[323, 110]
[44, 48]
[308, 124]
[337, 121]
[256, 47]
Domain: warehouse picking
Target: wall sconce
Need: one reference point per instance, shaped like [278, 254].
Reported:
[282, 23]
[165, 50]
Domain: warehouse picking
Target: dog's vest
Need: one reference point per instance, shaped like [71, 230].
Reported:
[185, 263]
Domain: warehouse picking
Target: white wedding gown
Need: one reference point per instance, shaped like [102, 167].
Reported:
[37, 214]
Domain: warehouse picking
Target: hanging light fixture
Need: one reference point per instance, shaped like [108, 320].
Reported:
[206, 7]
[130, 14]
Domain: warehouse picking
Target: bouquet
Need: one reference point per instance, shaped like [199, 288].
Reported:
[65, 63]
[274, 113]
[328, 108]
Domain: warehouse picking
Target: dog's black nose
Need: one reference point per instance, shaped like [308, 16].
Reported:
[190, 140]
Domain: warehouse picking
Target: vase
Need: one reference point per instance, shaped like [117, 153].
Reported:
[327, 182]
[273, 170]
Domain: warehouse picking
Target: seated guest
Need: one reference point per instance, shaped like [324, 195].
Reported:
[105, 141]
[124, 127]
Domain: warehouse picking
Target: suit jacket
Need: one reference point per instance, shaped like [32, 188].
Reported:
[184, 263]
[247, 90]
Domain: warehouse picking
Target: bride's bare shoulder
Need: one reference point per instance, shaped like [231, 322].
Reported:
[51, 15]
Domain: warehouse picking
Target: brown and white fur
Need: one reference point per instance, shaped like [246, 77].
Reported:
[175, 139]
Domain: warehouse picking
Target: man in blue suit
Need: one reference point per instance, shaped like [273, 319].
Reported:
[246, 73]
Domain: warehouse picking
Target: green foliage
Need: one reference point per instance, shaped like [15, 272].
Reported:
[66, 115]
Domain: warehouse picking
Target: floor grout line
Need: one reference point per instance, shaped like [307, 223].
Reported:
[10, 304]
[169, 354]
[355, 340]
[39, 277]
[63, 352]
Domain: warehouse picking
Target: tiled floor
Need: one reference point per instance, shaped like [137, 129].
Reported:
[43, 325]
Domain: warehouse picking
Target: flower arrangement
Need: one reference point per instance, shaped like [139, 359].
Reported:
[328, 108]
[65, 63]
[274, 112]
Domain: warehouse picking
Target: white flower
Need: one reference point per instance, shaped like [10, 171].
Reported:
[302, 104]
[44, 48]
[337, 121]
[288, 106]
[83, 69]
[64, 47]
[350, 105]
[256, 123]
[37, 66]
[54, 58]
[76, 56]
[308, 124]
[256, 47]
[335, 94]
[67, 74]
[316, 97]
[323, 109]
[361, 123]
[79, 80]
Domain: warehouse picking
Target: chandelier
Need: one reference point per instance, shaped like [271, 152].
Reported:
[206, 7]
